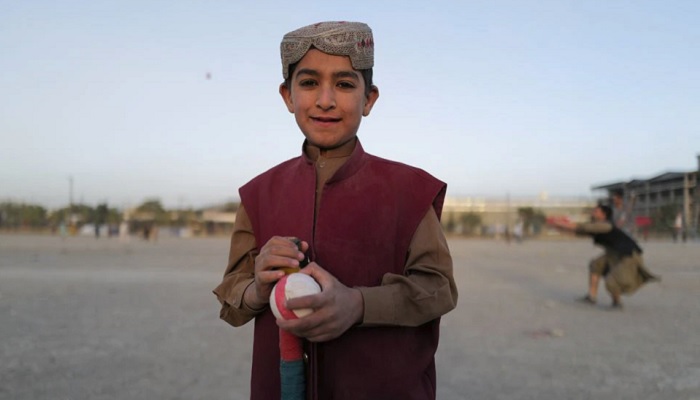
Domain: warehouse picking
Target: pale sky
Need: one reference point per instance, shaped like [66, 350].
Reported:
[492, 97]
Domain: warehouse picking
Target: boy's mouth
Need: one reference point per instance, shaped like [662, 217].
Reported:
[325, 119]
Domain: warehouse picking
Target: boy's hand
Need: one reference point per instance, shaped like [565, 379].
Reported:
[278, 252]
[561, 223]
[336, 308]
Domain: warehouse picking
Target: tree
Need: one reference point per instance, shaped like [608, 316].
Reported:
[450, 224]
[470, 221]
[533, 219]
[16, 215]
[154, 208]
[77, 213]
[151, 205]
[231, 206]
[114, 216]
[101, 213]
[662, 220]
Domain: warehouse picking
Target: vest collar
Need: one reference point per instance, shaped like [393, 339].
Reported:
[354, 162]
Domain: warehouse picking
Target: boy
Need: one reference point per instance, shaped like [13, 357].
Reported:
[622, 211]
[370, 227]
[621, 264]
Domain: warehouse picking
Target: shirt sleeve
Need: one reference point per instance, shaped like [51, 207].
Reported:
[425, 291]
[239, 274]
[592, 228]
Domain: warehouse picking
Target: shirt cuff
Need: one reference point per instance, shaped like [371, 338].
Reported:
[379, 306]
[233, 296]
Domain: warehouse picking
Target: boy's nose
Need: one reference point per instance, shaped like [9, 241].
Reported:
[326, 99]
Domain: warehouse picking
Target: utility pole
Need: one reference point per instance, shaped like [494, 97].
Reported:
[508, 230]
[686, 202]
[70, 192]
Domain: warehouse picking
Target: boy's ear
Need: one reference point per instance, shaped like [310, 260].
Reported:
[287, 97]
[370, 100]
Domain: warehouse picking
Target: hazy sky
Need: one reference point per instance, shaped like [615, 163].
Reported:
[492, 97]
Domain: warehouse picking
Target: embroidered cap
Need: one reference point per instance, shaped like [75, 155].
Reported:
[338, 38]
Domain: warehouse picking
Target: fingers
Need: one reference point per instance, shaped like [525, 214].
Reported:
[304, 246]
[319, 326]
[336, 309]
[323, 277]
[316, 327]
[329, 285]
[279, 252]
[314, 301]
[269, 277]
[278, 255]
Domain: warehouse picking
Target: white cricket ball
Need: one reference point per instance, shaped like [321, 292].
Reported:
[289, 287]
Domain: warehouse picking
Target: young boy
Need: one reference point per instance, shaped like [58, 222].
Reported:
[621, 265]
[622, 211]
[370, 227]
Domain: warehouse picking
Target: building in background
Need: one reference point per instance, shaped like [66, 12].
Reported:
[658, 200]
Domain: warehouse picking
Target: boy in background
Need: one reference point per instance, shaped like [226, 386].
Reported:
[621, 265]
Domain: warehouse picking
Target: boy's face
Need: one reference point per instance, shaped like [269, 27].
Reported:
[598, 215]
[327, 97]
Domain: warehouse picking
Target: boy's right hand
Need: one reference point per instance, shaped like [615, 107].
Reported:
[278, 252]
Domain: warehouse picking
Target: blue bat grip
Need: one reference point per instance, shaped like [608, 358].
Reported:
[292, 379]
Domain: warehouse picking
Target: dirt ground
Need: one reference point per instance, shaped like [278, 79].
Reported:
[82, 318]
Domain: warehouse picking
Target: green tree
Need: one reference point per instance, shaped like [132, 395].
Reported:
[20, 215]
[231, 206]
[663, 218]
[533, 219]
[470, 221]
[114, 216]
[450, 224]
[155, 208]
[151, 205]
[101, 212]
[78, 213]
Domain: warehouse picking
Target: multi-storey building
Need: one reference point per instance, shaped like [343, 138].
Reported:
[668, 192]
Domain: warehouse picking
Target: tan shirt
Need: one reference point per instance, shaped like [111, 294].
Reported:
[424, 292]
[594, 227]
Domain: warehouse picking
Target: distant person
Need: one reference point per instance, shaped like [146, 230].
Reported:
[518, 230]
[153, 233]
[643, 223]
[621, 265]
[370, 226]
[622, 212]
[124, 231]
[678, 228]
[62, 230]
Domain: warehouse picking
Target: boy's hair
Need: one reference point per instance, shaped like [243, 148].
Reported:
[607, 211]
[618, 193]
[366, 77]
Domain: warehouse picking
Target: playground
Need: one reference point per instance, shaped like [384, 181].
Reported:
[84, 318]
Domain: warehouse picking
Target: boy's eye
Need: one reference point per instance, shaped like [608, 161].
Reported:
[307, 82]
[346, 85]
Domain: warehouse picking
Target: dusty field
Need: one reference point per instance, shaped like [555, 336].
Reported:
[104, 319]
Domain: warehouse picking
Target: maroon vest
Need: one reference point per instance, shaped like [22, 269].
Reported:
[368, 214]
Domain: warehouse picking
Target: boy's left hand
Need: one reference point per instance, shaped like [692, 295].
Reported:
[336, 308]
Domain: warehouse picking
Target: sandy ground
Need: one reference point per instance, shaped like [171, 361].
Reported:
[102, 319]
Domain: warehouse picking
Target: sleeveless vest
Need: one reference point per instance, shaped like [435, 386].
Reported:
[367, 216]
[617, 241]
